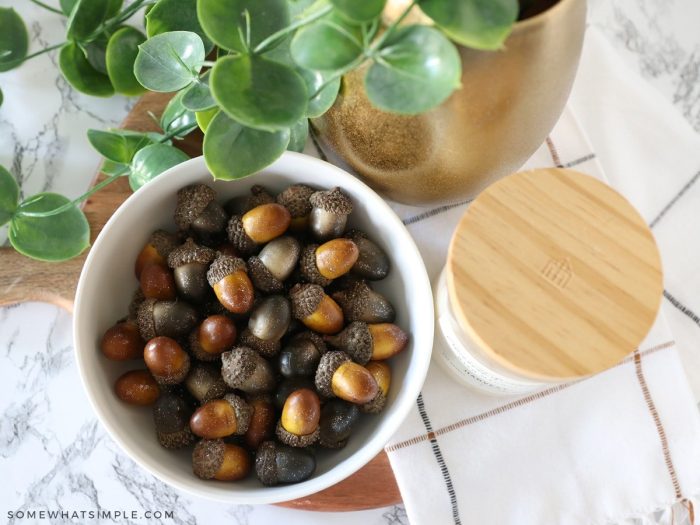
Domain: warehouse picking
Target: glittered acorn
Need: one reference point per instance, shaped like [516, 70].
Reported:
[223, 417]
[360, 303]
[242, 203]
[169, 318]
[171, 414]
[257, 226]
[338, 418]
[301, 355]
[329, 213]
[339, 376]
[216, 334]
[296, 199]
[190, 263]
[244, 369]
[157, 282]
[216, 459]
[298, 425]
[269, 348]
[274, 264]
[166, 360]
[363, 341]
[262, 422]
[204, 382]
[315, 309]
[275, 464]
[122, 342]
[137, 387]
[197, 211]
[270, 318]
[372, 262]
[156, 250]
[137, 300]
[321, 264]
[382, 375]
[231, 284]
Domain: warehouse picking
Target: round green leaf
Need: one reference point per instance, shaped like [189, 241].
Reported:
[320, 101]
[360, 10]
[67, 6]
[9, 195]
[81, 75]
[119, 145]
[298, 134]
[233, 151]
[14, 40]
[2, 98]
[151, 161]
[481, 24]
[175, 15]
[85, 17]
[54, 238]
[96, 54]
[169, 61]
[113, 8]
[122, 49]
[198, 96]
[224, 21]
[110, 168]
[176, 116]
[205, 117]
[328, 44]
[417, 69]
[258, 92]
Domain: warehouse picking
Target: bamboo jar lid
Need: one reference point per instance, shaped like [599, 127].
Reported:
[554, 275]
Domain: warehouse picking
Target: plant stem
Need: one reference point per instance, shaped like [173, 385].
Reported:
[48, 7]
[33, 55]
[389, 30]
[262, 46]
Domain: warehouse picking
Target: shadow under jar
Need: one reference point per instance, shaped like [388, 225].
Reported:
[509, 101]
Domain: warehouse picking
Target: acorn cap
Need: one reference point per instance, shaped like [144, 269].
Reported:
[190, 252]
[332, 444]
[376, 405]
[293, 440]
[237, 365]
[316, 339]
[164, 242]
[330, 361]
[222, 266]
[191, 202]
[333, 201]
[308, 268]
[180, 439]
[264, 348]
[296, 199]
[355, 340]
[258, 196]
[262, 278]
[305, 299]
[145, 319]
[266, 463]
[242, 410]
[240, 240]
[196, 349]
[207, 457]
[136, 301]
[360, 303]
[205, 383]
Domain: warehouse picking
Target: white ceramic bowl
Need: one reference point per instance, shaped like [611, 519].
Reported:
[107, 283]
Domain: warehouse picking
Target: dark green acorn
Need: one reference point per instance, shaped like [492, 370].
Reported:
[275, 463]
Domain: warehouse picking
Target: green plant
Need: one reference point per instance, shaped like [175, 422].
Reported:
[249, 73]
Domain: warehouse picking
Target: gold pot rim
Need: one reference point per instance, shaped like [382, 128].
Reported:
[540, 18]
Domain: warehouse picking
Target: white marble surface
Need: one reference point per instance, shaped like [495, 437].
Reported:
[53, 453]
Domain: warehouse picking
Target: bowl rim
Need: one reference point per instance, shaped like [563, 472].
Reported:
[420, 360]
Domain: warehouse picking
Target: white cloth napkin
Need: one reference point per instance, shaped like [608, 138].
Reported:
[623, 446]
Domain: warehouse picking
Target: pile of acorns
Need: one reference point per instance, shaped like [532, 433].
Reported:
[259, 331]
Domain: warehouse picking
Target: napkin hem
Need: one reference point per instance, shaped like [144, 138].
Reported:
[642, 517]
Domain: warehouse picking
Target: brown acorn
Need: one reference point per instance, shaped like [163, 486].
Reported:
[216, 459]
[166, 360]
[296, 199]
[137, 387]
[270, 318]
[122, 342]
[321, 264]
[169, 318]
[360, 303]
[315, 309]
[262, 422]
[338, 375]
[382, 375]
[329, 213]
[171, 414]
[298, 426]
[216, 334]
[362, 341]
[198, 211]
[204, 382]
[244, 369]
[190, 263]
[228, 277]
[156, 250]
[274, 264]
[223, 417]
[269, 348]
[372, 263]
[258, 226]
[275, 463]
[157, 282]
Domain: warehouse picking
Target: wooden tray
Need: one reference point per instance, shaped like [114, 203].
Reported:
[23, 279]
